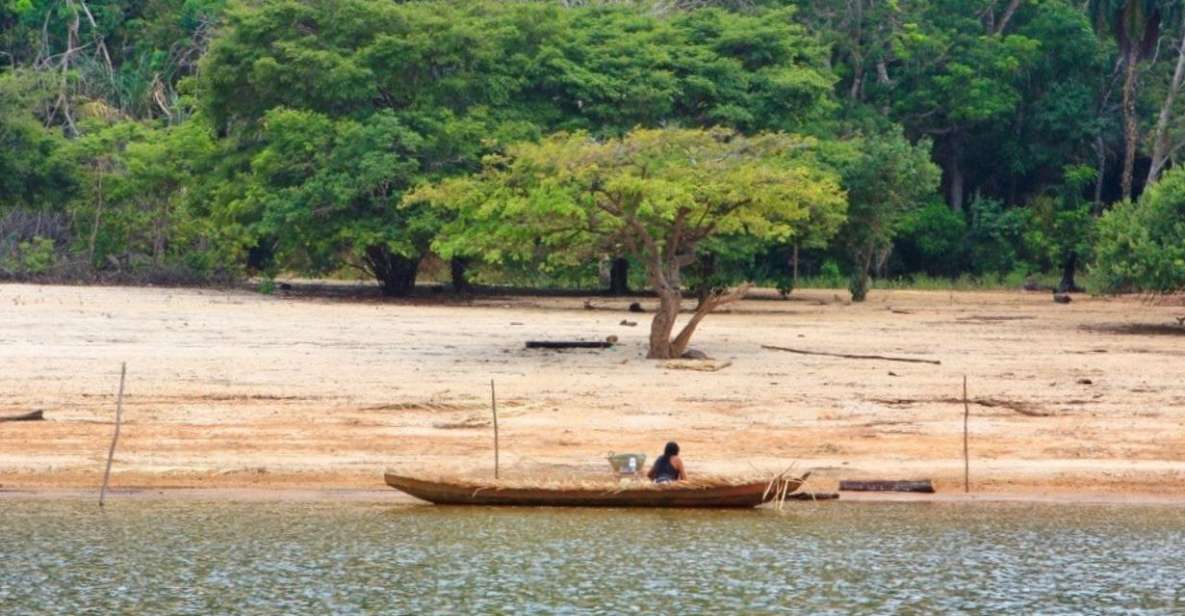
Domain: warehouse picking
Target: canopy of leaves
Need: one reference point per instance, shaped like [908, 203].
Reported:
[653, 193]
[320, 184]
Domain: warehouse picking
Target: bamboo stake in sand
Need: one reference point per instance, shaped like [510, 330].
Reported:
[123, 372]
[494, 408]
[966, 454]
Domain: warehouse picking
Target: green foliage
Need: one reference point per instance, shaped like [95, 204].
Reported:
[1061, 223]
[32, 174]
[1141, 245]
[886, 177]
[996, 236]
[32, 257]
[603, 69]
[294, 148]
[930, 240]
[656, 194]
[323, 191]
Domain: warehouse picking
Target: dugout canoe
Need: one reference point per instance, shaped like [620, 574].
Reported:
[707, 494]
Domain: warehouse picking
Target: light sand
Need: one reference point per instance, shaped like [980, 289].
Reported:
[233, 390]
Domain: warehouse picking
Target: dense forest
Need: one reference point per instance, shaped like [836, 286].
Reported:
[679, 146]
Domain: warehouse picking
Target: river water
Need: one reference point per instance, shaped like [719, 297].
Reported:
[226, 558]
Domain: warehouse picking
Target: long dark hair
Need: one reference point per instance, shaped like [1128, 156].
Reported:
[672, 449]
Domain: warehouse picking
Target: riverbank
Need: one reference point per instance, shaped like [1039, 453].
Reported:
[240, 391]
[396, 498]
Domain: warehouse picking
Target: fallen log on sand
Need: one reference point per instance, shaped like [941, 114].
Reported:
[569, 344]
[697, 365]
[31, 416]
[849, 356]
[881, 485]
[812, 496]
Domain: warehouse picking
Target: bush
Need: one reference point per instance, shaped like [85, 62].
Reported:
[930, 240]
[1141, 245]
[997, 237]
[32, 257]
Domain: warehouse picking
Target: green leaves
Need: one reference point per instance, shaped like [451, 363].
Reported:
[655, 194]
[1141, 245]
[323, 190]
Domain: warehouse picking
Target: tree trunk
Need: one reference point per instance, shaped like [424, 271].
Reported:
[712, 301]
[954, 174]
[457, 267]
[1130, 128]
[1069, 268]
[794, 266]
[683, 340]
[396, 273]
[1160, 142]
[98, 219]
[859, 282]
[619, 276]
[998, 27]
[1100, 149]
[663, 324]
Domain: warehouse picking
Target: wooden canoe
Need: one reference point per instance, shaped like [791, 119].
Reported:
[632, 494]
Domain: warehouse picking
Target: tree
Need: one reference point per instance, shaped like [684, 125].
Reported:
[132, 210]
[660, 194]
[467, 78]
[1135, 24]
[1162, 146]
[1065, 225]
[886, 177]
[1141, 244]
[324, 194]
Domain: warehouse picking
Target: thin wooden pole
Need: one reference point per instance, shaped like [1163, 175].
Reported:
[123, 373]
[494, 408]
[966, 451]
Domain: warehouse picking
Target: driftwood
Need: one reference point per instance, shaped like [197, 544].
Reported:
[31, 416]
[813, 496]
[849, 356]
[568, 344]
[883, 485]
[699, 366]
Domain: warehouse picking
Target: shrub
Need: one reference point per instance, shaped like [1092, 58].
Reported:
[1141, 245]
[931, 240]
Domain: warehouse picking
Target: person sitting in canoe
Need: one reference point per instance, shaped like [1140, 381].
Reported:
[668, 467]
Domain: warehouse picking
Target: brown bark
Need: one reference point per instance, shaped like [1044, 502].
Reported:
[1130, 128]
[1004, 19]
[663, 323]
[711, 302]
[396, 273]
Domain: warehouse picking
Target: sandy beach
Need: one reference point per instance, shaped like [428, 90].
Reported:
[241, 392]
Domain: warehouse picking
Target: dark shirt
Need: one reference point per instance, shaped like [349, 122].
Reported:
[664, 470]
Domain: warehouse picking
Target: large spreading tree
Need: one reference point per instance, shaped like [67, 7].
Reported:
[656, 194]
[288, 80]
